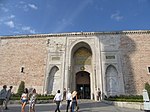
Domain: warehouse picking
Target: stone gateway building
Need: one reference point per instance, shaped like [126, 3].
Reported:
[116, 62]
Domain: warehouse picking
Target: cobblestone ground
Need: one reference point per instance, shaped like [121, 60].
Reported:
[85, 106]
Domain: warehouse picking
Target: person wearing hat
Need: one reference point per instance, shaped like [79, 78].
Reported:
[74, 101]
[3, 93]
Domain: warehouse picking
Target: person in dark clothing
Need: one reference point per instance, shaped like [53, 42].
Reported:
[3, 94]
[98, 95]
[64, 94]
[74, 101]
[68, 99]
[8, 96]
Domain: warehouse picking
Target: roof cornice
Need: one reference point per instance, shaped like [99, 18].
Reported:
[78, 34]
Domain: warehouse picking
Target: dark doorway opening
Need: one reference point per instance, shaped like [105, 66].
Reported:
[83, 85]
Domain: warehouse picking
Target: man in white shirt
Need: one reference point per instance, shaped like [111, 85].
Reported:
[68, 99]
[58, 99]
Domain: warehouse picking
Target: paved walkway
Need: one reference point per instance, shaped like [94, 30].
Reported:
[85, 106]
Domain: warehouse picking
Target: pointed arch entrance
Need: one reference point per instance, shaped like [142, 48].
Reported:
[81, 72]
[83, 84]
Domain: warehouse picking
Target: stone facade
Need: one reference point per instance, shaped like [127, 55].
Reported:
[29, 53]
[115, 62]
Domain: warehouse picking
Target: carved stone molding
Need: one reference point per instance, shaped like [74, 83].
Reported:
[77, 34]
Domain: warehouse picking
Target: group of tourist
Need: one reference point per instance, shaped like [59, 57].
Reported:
[5, 97]
[71, 99]
[30, 97]
[26, 97]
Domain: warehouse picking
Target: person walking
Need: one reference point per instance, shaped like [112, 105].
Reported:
[58, 99]
[24, 99]
[8, 96]
[64, 94]
[3, 93]
[98, 95]
[68, 99]
[32, 101]
[74, 101]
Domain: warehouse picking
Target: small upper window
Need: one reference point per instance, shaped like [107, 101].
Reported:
[148, 69]
[48, 41]
[22, 69]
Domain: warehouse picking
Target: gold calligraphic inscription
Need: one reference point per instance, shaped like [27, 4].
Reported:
[82, 52]
[110, 57]
[82, 57]
[82, 68]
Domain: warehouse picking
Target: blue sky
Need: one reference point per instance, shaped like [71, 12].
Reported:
[55, 16]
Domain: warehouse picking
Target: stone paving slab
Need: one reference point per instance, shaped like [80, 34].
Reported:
[85, 106]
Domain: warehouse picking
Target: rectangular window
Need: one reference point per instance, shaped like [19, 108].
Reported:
[22, 69]
[148, 68]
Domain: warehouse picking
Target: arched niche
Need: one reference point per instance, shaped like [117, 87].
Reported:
[111, 80]
[52, 80]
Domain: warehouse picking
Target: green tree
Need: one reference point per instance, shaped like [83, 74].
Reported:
[21, 88]
[147, 87]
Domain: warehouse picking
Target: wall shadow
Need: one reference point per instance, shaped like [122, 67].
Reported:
[127, 49]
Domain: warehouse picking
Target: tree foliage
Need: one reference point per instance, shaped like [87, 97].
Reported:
[21, 88]
[147, 87]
